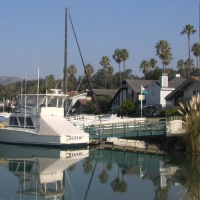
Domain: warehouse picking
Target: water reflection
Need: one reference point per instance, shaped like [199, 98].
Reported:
[96, 174]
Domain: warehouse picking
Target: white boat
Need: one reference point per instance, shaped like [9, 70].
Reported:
[40, 121]
[41, 172]
[3, 116]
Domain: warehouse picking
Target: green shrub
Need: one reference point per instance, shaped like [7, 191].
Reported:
[169, 112]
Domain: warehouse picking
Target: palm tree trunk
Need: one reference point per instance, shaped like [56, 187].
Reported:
[189, 55]
[105, 79]
[124, 70]
[120, 74]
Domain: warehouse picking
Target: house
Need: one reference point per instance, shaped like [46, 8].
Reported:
[74, 97]
[154, 101]
[79, 102]
[131, 89]
[79, 106]
[184, 92]
[158, 90]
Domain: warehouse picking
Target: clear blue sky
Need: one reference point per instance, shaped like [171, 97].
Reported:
[32, 33]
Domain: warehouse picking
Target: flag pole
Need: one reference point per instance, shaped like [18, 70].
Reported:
[141, 100]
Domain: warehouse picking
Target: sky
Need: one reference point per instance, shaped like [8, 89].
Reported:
[32, 33]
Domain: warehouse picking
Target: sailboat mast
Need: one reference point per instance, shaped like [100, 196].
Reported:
[65, 63]
[90, 85]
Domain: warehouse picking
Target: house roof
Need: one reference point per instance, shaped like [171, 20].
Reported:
[136, 84]
[72, 93]
[182, 86]
[110, 92]
[174, 82]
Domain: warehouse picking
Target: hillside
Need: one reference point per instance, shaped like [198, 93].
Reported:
[4, 80]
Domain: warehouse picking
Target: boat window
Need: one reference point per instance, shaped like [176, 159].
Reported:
[19, 166]
[12, 166]
[28, 121]
[13, 121]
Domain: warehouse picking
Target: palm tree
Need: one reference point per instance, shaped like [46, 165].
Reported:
[163, 50]
[196, 51]
[181, 67]
[124, 56]
[87, 166]
[188, 29]
[117, 56]
[144, 67]
[89, 70]
[105, 62]
[153, 63]
[71, 71]
[189, 63]
[110, 74]
[167, 58]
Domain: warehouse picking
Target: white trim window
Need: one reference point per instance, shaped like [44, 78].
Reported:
[153, 93]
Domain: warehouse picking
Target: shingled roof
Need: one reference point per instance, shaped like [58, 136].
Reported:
[136, 84]
[100, 92]
[174, 82]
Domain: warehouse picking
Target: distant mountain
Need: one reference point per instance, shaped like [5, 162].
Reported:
[4, 80]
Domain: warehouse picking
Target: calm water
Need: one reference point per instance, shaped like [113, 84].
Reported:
[33, 173]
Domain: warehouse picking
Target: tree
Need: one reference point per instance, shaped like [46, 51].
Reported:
[163, 50]
[181, 67]
[50, 82]
[71, 71]
[110, 74]
[89, 70]
[105, 62]
[152, 63]
[196, 51]
[188, 29]
[167, 58]
[87, 166]
[128, 106]
[144, 67]
[124, 56]
[117, 56]
[189, 63]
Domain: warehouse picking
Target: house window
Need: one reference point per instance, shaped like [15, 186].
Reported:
[193, 92]
[153, 93]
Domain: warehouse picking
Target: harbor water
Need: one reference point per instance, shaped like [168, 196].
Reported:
[94, 174]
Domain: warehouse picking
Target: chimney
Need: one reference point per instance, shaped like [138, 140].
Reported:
[163, 80]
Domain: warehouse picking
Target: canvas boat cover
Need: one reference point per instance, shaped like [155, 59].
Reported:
[57, 125]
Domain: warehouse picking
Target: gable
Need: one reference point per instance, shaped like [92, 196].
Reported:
[182, 87]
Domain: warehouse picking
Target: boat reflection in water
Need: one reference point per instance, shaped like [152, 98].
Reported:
[96, 174]
[41, 172]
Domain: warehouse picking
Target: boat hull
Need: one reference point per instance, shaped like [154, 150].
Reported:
[20, 137]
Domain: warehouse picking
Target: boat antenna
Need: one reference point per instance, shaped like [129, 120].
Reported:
[25, 101]
[21, 94]
[65, 64]
[38, 90]
[90, 85]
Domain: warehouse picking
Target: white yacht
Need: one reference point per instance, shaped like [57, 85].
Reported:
[40, 121]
